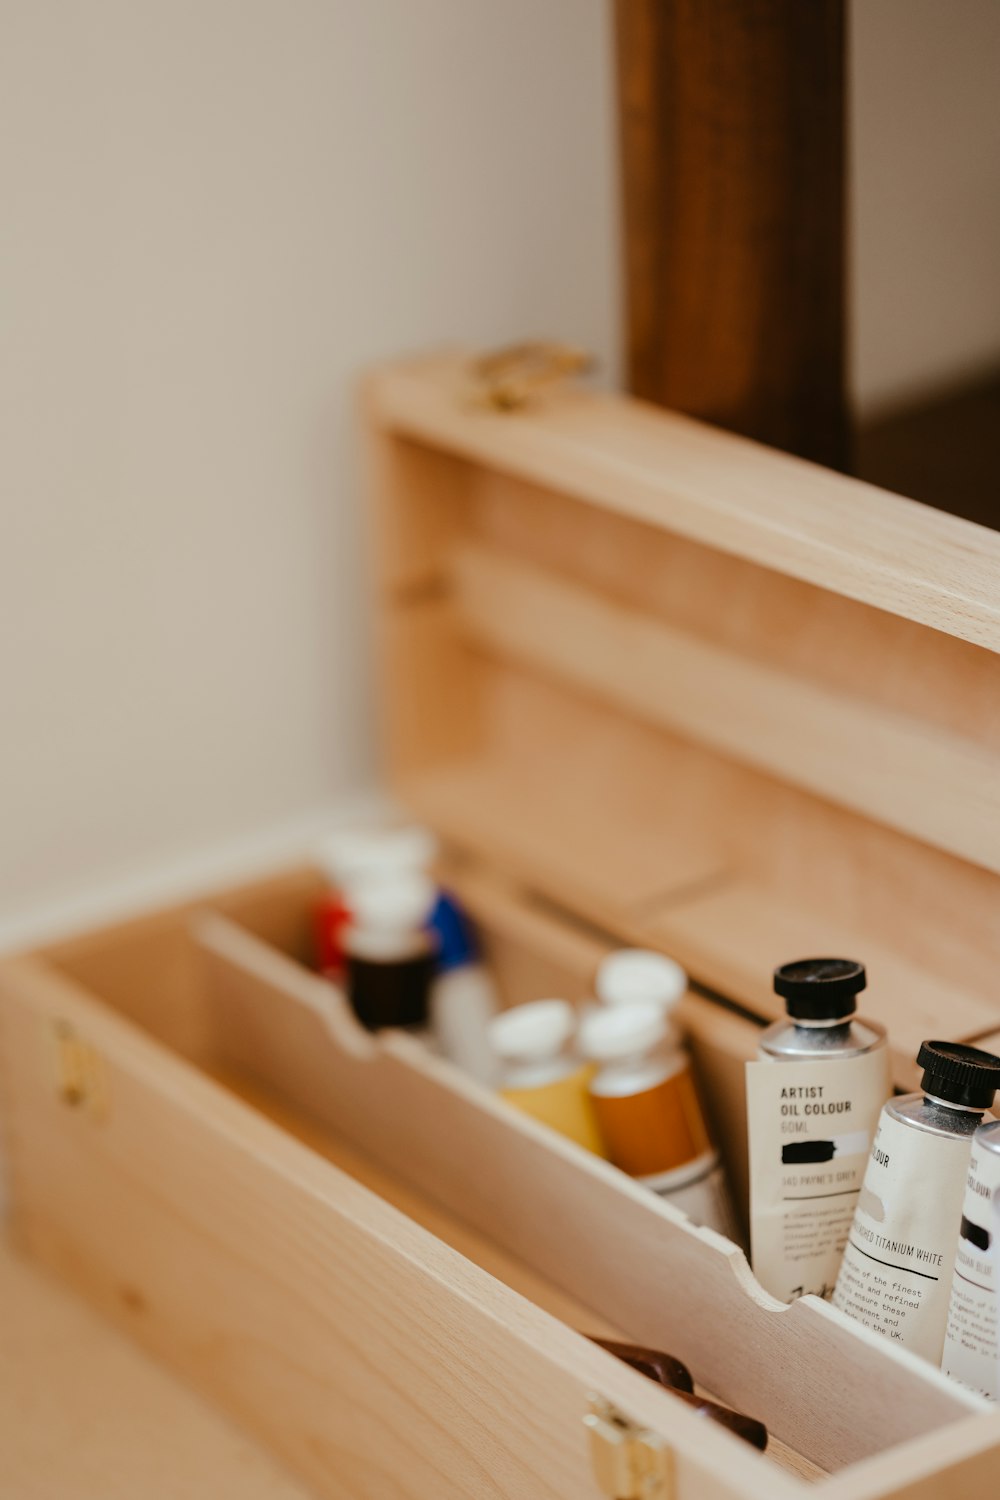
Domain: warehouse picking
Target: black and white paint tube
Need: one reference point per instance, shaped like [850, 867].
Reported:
[970, 1343]
[896, 1274]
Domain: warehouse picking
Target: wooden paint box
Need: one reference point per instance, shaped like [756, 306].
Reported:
[651, 684]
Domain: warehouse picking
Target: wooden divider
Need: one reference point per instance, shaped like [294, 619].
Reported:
[874, 762]
[830, 1390]
[371, 1357]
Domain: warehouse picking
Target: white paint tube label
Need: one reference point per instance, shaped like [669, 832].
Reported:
[996, 1267]
[895, 1277]
[810, 1128]
[970, 1344]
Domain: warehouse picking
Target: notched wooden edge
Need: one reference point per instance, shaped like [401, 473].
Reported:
[221, 936]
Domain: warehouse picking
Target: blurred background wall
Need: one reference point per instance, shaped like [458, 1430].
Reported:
[924, 98]
[219, 210]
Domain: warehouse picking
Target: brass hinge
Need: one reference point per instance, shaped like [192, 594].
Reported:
[509, 377]
[629, 1462]
[79, 1072]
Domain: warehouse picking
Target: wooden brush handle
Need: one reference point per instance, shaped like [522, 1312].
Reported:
[676, 1377]
[651, 1362]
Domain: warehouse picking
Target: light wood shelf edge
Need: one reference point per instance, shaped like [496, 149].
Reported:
[963, 1459]
[724, 491]
[804, 734]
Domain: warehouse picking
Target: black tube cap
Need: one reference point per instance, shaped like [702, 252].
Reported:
[958, 1074]
[820, 989]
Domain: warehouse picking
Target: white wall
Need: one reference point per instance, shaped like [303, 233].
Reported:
[221, 209]
[925, 195]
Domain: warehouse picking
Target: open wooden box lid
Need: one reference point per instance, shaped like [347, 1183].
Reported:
[696, 692]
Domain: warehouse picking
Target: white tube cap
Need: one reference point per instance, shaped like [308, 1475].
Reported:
[622, 1031]
[393, 903]
[532, 1032]
[634, 975]
[353, 854]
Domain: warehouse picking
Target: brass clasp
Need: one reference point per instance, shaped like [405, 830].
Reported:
[80, 1079]
[629, 1462]
[509, 377]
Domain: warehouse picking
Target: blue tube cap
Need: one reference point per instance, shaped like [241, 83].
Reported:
[456, 938]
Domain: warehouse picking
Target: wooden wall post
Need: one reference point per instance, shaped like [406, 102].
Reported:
[732, 138]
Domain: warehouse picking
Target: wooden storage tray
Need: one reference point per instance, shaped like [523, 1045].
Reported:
[709, 696]
[651, 684]
[183, 1187]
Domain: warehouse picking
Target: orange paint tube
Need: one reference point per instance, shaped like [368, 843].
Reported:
[649, 1113]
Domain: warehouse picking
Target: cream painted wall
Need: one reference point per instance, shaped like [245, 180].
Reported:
[220, 210]
[925, 195]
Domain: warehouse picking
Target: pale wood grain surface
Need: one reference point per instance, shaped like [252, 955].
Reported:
[369, 1355]
[763, 929]
[796, 628]
[876, 761]
[474, 1245]
[963, 1460]
[712, 487]
[615, 820]
[85, 1415]
[730, 931]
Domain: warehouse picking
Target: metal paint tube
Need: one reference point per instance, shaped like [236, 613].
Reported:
[811, 1121]
[896, 1274]
[970, 1344]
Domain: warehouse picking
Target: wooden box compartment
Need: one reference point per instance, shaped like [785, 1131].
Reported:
[381, 1271]
[651, 684]
[705, 695]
